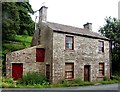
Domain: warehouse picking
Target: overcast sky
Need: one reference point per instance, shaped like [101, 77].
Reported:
[78, 12]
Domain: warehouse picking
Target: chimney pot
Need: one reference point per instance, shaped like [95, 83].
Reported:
[88, 26]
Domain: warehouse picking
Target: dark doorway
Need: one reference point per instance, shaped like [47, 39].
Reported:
[17, 70]
[87, 73]
[48, 71]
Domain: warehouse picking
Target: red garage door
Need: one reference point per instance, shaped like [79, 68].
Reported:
[17, 70]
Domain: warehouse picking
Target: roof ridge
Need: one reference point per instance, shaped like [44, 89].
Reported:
[72, 29]
[65, 25]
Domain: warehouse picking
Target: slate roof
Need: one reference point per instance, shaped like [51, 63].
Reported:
[74, 30]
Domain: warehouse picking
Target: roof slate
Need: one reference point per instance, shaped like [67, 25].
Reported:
[74, 30]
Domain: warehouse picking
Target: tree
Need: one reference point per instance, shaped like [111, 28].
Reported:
[112, 31]
[16, 19]
[26, 23]
[10, 18]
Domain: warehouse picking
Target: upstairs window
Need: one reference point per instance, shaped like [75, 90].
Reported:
[69, 43]
[101, 46]
[40, 54]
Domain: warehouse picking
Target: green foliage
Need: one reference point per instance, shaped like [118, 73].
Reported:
[78, 80]
[26, 22]
[7, 80]
[18, 43]
[27, 83]
[116, 75]
[65, 83]
[112, 31]
[8, 83]
[108, 82]
[106, 78]
[32, 78]
[23, 38]
[16, 19]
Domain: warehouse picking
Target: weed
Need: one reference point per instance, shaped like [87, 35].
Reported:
[32, 78]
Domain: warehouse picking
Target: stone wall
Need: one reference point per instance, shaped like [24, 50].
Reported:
[27, 57]
[45, 38]
[85, 53]
[42, 39]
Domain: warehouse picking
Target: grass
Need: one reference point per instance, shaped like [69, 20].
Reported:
[20, 42]
[9, 83]
[23, 38]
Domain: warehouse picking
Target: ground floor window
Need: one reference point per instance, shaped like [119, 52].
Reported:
[69, 70]
[101, 69]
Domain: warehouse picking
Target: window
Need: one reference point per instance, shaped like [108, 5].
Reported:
[69, 42]
[101, 69]
[40, 54]
[101, 46]
[69, 70]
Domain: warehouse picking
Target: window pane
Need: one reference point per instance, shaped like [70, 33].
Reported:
[69, 70]
[101, 69]
[101, 46]
[69, 42]
[68, 67]
[69, 75]
[68, 39]
[70, 46]
[67, 45]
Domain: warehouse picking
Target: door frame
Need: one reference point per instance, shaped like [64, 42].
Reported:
[46, 71]
[88, 67]
[12, 67]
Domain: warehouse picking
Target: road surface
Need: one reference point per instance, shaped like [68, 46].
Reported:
[97, 88]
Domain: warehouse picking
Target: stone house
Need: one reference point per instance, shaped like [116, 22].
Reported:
[62, 52]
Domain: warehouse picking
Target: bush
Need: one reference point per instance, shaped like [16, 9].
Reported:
[8, 85]
[65, 83]
[7, 80]
[106, 78]
[77, 81]
[32, 79]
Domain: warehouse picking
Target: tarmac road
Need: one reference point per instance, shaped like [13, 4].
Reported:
[97, 88]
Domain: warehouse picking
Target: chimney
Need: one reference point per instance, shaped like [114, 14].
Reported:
[88, 26]
[43, 14]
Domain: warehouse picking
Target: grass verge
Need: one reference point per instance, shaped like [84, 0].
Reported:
[9, 83]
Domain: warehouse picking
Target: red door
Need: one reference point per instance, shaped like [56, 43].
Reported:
[17, 70]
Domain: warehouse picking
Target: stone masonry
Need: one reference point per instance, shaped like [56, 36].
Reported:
[85, 53]
[27, 57]
[51, 37]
